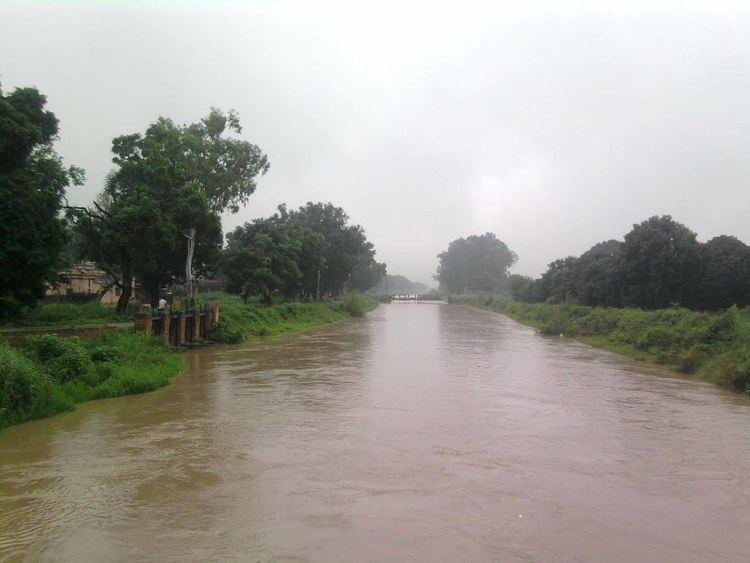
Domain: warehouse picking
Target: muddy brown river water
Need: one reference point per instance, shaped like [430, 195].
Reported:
[424, 432]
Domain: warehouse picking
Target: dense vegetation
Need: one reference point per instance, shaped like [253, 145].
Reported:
[475, 263]
[241, 320]
[158, 216]
[49, 374]
[32, 191]
[715, 347]
[660, 263]
[68, 314]
[307, 253]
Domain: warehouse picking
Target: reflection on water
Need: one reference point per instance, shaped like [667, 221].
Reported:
[424, 432]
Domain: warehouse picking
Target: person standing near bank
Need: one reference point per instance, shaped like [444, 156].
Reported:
[162, 306]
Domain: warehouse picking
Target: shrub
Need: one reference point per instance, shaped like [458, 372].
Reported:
[690, 360]
[48, 346]
[17, 378]
[63, 358]
[731, 369]
[355, 304]
[26, 392]
[104, 354]
[724, 327]
[223, 332]
[71, 364]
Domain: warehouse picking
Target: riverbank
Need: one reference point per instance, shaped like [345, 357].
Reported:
[240, 321]
[50, 374]
[47, 314]
[712, 347]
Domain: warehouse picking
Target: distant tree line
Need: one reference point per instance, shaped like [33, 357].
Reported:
[306, 253]
[659, 263]
[158, 216]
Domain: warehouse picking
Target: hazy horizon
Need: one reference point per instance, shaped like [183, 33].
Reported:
[553, 128]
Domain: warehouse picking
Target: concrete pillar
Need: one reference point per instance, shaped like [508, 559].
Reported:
[196, 325]
[165, 321]
[181, 329]
[143, 322]
[213, 314]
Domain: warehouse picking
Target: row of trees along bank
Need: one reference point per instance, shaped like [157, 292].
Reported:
[158, 216]
[660, 263]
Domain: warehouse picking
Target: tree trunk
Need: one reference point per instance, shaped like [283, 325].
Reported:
[127, 286]
[190, 235]
[317, 287]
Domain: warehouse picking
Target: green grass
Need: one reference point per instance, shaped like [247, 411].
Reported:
[240, 321]
[715, 347]
[67, 314]
[49, 374]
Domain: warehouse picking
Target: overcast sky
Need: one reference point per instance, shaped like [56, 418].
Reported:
[555, 127]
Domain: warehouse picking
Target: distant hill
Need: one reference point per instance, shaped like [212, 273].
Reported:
[400, 284]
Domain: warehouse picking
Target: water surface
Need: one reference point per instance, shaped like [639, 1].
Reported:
[424, 432]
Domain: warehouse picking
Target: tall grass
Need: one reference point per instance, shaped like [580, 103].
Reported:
[240, 321]
[715, 347]
[50, 374]
[69, 314]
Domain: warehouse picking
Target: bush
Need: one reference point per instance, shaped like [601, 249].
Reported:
[71, 364]
[241, 321]
[690, 360]
[716, 347]
[104, 354]
[223, 332]
[356, 304]
[26, 392]
[50, 374]
[17, 378]
[48, 346]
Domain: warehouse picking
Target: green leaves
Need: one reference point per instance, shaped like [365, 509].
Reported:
[33, 181]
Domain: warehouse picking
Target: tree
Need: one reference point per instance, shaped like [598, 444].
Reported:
[223, 167]
[476, 263]
[521, 287]
[261, 258]
[661, 260]
[33, 181]
[136, 227]
[165, 197]
[344, 259]
[599, 275]
[726, 273]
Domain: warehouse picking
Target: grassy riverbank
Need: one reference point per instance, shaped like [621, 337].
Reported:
[66, 314]
[713, 347]
[50, 374]
[245, 321]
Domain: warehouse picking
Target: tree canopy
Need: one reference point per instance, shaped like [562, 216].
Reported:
[660, 263]
[158, 216]
[33, 181]
[309, 252]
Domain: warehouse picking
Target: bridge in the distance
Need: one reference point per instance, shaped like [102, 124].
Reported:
[416, 297]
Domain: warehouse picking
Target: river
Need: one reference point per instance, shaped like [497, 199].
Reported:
[424, 432]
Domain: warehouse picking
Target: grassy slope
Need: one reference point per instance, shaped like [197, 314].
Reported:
[49, 374]
[67, 314]
[239, 321]
[714, 347]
